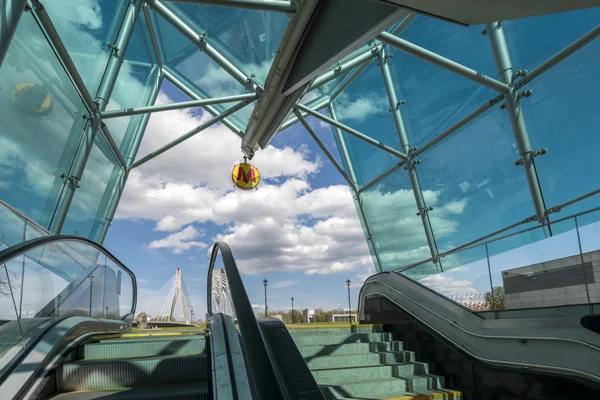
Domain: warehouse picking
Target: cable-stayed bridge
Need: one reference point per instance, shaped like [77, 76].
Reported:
[170, 304]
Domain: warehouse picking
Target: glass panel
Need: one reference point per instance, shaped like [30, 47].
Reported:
[52, 281]
[589, 234]
[473, 184]
[533, 269]
[40, 124]
[364, 106]
[562, 117]
[436, 98]
[86, 27]
[465, 279]
[397, 230]
[534, 40]
[248, 38]
[88, 208]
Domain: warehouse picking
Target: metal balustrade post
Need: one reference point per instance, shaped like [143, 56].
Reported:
[10, 15]
[504, 66]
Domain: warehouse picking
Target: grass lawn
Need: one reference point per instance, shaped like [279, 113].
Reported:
[170, 329]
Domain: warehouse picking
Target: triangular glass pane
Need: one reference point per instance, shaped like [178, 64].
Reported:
[248, 38]
[532, 41]
[436, 98]
[174, 47]
[85, 29]
[364, 106]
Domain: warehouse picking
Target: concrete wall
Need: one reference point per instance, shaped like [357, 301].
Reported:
[553, 283]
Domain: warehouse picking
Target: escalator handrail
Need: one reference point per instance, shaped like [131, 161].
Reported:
[28, 245]
[514, 364]
[266, 381]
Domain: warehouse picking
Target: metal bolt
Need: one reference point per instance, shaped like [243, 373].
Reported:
[525, 93]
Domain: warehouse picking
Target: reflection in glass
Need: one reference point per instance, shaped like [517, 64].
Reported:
[40, 124]
[397, 230]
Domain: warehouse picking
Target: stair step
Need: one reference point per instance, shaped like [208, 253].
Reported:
[116, 373]
[129, 348]
[358, 360]
[382, 388]
[398, 370]
[342, 339]
[185, 391]
[319, 350]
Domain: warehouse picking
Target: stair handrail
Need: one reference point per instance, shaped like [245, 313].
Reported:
[265, 380]
[28, 245]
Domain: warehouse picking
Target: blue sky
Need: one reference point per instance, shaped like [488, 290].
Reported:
[300, 229]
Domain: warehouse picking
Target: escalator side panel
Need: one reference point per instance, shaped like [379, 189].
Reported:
[557, 345]
[45, 354]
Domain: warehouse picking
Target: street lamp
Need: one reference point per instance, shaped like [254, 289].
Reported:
[292, 310]
[349, 304]
[192, 312]
[266, 307]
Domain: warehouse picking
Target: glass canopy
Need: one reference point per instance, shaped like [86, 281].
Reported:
[449, 135]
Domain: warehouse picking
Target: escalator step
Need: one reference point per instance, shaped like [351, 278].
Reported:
[114, 374]
[186, 391]
[108, 349]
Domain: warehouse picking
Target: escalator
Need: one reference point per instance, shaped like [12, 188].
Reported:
[541, 354]
[79, 344]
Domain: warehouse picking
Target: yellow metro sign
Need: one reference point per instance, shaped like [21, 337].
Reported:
[245, 176]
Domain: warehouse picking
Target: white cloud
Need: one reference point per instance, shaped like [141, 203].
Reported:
[448, 286]
[180, 241]
[283, 284]
[360, 108]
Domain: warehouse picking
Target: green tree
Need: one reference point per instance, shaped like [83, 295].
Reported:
[495, 299]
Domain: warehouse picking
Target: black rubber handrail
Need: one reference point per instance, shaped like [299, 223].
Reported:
[28, 245]
[265, 380]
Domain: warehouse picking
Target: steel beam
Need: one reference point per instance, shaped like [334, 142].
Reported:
[63, 54]
[285, 6]
[354, 132]
[153, 39]
[191, 133]
[74, 176]
[112, 144]
[315, 104]
[344, 68]
[393, 99]
[403, 140]
[495, 34]
[199, 39]
[443, 62]
[10, 15]
[172, 77]
[178, 106]
[343, 148]
[378, 179]
[560, 56]
[118, 54]
[337, 166]
[131, 144]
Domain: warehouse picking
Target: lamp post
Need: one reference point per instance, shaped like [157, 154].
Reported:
[192, 312]
[266, 307]
[349, 304]
[292, 310]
